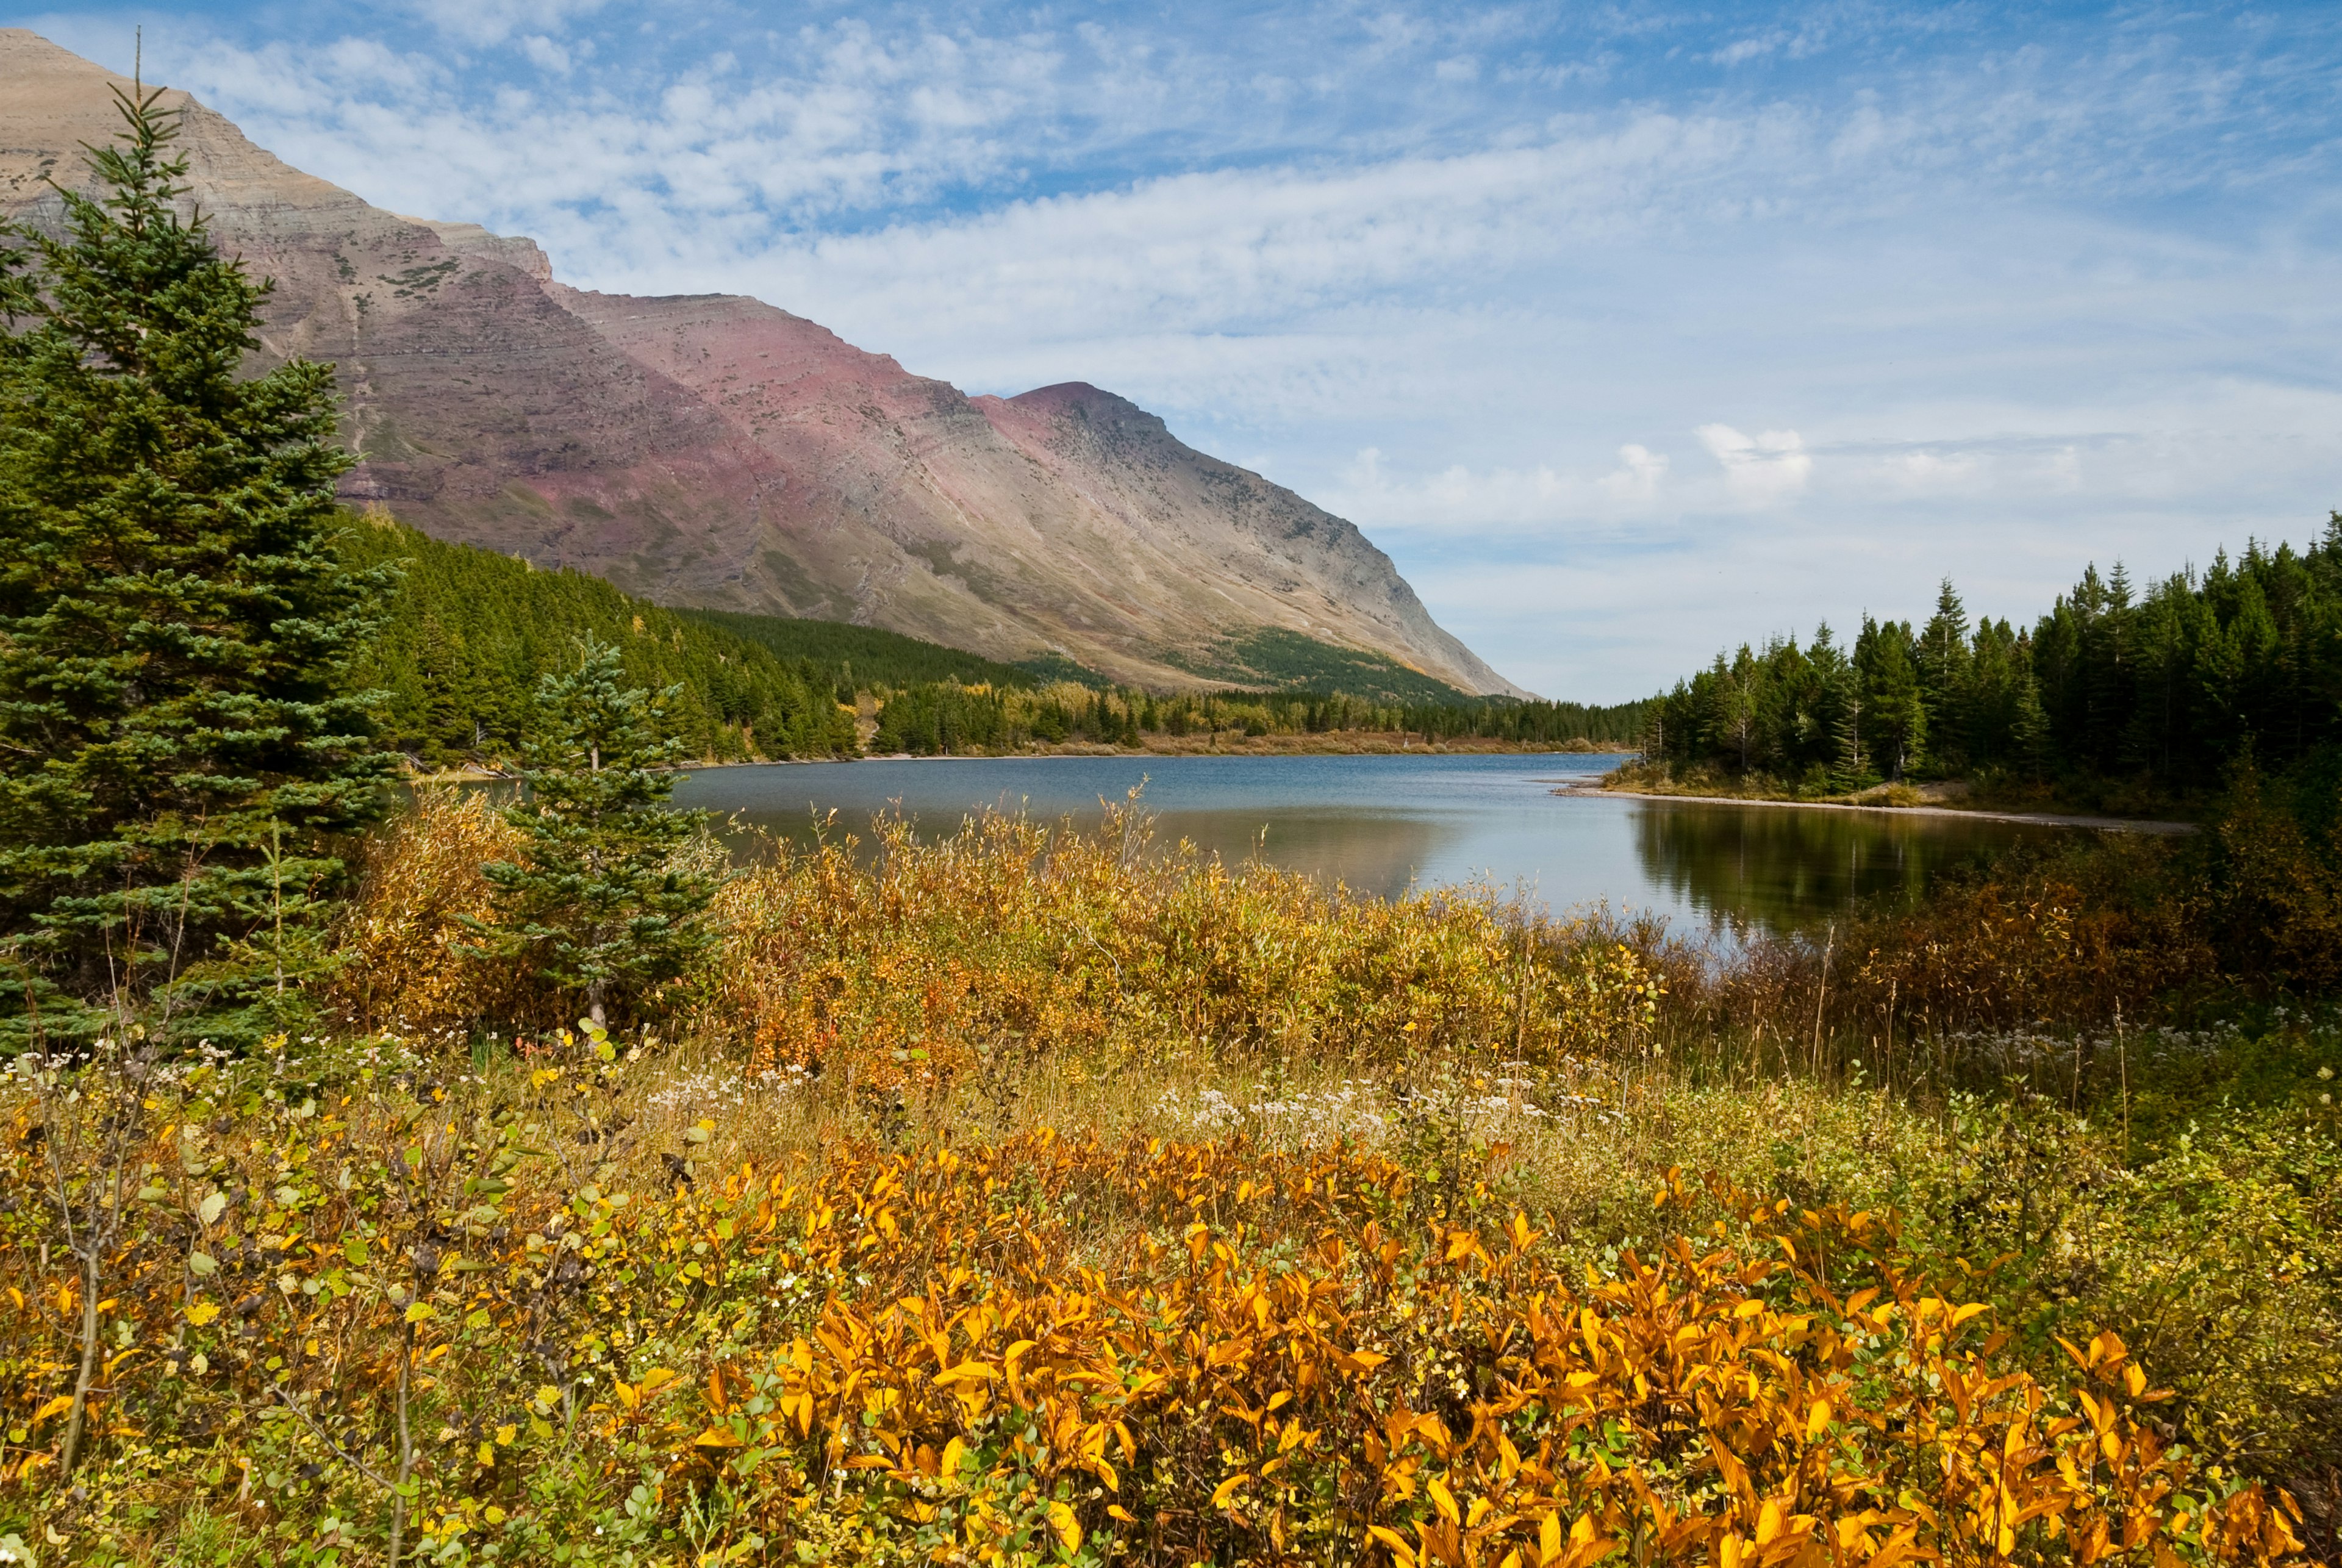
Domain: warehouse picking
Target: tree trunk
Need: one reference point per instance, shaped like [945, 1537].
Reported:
[80, 1418]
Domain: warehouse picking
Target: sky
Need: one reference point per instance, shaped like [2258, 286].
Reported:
[1632, 332]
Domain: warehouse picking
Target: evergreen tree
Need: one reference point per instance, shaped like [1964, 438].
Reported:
[1945, 659]
[2000, 660]
[1736, 705]
[178, 746]
[2030, 729]
[600, 902]
[1894, 715]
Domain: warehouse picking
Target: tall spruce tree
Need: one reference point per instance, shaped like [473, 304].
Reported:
[1944, 658]
[178, 750]
[599, 903]
[1894, 717]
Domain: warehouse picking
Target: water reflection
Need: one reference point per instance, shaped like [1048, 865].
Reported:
[1381, 854]
[1783, 866]
[1382, 824]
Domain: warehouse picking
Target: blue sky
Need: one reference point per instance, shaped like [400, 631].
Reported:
[1630, 331]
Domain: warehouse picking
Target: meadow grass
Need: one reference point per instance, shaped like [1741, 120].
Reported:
[1332, 1229]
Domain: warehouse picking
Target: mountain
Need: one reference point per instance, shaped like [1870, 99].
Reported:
[711, 451]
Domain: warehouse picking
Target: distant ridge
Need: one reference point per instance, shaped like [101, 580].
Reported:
[713, 451]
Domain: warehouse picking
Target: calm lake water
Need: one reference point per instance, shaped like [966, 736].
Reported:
[1384, 823]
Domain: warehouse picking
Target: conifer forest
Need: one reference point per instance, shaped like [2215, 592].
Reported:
[2170, 687]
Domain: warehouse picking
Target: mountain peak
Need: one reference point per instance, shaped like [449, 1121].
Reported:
[1069, 396]
[715, 451]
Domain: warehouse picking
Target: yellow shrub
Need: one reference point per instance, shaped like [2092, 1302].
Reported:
[1045, 1349]
[912, 959]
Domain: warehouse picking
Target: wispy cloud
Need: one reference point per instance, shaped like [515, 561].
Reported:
[1718, 321]
[485, 21]
[1762, 470]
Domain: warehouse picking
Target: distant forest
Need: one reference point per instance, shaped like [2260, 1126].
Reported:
[931, 720]
[467, 634]
[2171, 685]
[865, 658]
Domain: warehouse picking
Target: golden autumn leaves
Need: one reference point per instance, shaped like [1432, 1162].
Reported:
[1078, 1349]
[1292, 1376]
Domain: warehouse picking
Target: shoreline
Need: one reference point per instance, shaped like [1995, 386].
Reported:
[2043, 819]
[482, 775]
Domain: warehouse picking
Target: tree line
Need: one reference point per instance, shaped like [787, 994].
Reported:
[466, 635]
[943, 718]
[2171, 687]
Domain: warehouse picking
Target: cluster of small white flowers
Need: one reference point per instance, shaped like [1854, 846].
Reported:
[782, 1080]
[695, 1091]
[2028, 1047]
[1212, 1108]
[1360, 1109]
[1329, 1113]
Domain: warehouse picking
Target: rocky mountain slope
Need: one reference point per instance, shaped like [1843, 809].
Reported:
[715, 451]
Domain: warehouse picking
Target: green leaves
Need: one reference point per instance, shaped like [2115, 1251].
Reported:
[602, 901]
[177, 747]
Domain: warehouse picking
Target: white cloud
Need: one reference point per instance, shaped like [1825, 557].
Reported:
[1742, 50]
[1762, 470]
[487, 22]
[546, 55]
[1638, 476]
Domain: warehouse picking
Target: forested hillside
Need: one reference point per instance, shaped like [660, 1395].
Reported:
[2168, 687]
[468, 635]
[867, 658]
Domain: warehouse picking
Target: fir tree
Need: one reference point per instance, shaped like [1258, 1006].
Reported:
[600, 903]
[1945, 665]
[2029, 735]
[178, 747]
[1738, 711]
[1895, 716]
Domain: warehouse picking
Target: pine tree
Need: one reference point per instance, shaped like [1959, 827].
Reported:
[1944, 664]
[1895, 716]
[600, 903]
[2028, 732]
[178, 746]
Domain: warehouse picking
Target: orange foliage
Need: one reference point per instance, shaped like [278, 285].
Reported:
[398, 955]
[1434, 1394]
[917, 957]
[1044, 1348]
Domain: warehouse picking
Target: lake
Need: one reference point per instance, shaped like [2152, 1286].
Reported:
[1384, 823]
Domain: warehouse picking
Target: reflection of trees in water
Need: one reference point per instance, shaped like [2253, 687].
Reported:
[1782, 866]
[1375, 852]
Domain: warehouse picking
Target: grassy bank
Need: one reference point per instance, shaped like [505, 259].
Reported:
[1034, 1196]
[1998, 794]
